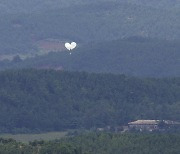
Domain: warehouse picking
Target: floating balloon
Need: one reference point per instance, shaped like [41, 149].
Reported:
[70, 46]
[73, 45]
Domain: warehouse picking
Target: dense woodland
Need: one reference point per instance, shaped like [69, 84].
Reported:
[47, 100]
[98, 143]
[107, 143]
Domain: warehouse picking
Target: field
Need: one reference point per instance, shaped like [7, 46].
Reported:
[31, 137]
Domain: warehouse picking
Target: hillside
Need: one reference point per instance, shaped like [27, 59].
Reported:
[83, 22]
[20, 6]
[47, 100]
[135, 56]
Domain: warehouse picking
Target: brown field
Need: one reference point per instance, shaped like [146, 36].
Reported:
[50, 45]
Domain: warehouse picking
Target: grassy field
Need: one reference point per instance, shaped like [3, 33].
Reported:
[31, 137]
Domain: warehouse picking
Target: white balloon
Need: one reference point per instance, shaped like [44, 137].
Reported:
[70, 46]
[73, 45]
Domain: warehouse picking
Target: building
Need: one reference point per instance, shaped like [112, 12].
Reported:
[151, 125]
[141, 125]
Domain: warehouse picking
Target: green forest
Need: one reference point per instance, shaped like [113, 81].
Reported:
[47, 100]
[98, 143]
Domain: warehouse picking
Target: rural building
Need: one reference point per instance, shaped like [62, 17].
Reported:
[151, 125]
[144, 125]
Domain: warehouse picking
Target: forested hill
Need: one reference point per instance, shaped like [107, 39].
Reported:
[83, 22]
[55, 100]
[137, 56]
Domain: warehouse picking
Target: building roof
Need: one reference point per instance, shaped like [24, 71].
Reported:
[144, 122]
[153, 122]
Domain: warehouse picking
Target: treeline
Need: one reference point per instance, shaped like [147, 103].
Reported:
[108, 143]
[10, 146]
[46, 100]
[98, 143]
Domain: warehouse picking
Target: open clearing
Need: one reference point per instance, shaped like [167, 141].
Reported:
[31, 137]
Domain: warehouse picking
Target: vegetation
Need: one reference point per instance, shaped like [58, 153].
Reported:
[117, 37]
[25, 138]
[138, 38]
[107, 143]
[10, 146]
[136, 56]
[47, 100]
[99, 143]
